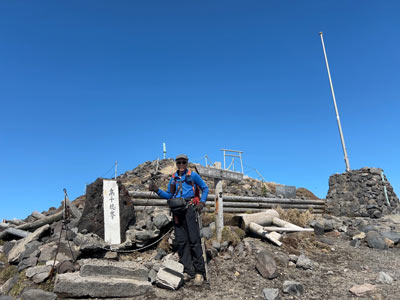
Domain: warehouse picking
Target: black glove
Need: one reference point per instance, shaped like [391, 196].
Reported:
[153, 187]
[200, 206]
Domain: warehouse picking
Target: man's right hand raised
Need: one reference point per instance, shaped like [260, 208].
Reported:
[153, 187]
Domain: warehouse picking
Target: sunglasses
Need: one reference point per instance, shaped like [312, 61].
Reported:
[181, 162]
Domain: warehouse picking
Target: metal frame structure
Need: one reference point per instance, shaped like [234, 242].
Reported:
[230, 154]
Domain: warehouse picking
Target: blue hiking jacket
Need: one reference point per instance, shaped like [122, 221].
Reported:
[187, 189]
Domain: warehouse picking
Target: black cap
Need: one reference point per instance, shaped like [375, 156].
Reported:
[182, 156]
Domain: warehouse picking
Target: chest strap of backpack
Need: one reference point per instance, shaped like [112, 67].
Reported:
[196, 192]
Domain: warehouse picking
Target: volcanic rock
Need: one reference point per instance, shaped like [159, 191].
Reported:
[92, 219]
[35, 294]
[375, 240]
[293, 288]
[127, 269]
[271, 294]
[74, 285]
[266, 265]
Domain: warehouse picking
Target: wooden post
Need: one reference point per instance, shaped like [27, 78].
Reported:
[219, 175]
[219, 208]
[219, 205]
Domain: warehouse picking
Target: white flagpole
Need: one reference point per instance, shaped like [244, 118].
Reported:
[346, 159]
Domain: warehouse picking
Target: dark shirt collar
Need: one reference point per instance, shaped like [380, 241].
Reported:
[184, 173]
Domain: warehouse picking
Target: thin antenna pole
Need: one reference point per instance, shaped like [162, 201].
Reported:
[116, 167]
[165, 150]
[346, 159]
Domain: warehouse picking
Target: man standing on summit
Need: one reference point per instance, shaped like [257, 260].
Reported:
[184, 186]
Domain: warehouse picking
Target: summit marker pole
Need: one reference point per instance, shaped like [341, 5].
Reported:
[346, 159]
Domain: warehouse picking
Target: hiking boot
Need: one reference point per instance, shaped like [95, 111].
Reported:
[198, 280]
[187, 277]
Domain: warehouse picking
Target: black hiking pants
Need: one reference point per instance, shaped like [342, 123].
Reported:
[187, 236]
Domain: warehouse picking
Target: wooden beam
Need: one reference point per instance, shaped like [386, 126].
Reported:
[47, 220]
[38, 215]
[259, 230]
[13, 231]
[211, 197]
[283, 223]
[287, 229]
[261, 218]
[74, 210]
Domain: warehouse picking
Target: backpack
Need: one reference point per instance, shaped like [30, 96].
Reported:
[188, 180]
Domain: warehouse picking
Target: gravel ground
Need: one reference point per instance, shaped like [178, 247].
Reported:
[336, 272]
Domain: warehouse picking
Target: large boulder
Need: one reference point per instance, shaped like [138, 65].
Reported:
[92, 220]
[266, 265]
[35, 294]
[116, 269]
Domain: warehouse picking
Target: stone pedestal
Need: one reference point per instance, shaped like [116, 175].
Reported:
[361, 193]
[92, 220]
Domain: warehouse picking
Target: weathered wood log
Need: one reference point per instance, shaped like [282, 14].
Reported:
[226, 209]
[259, 230]
[287, 229]
[163, 202]
[283, 223]
[261, 218]
[150, 195]
[74, 210]
[16, 222]
[38, 215]
[47, 220]
[15, 232]
[267, 205]
[272, 200]
[4, 225]
[150, 202]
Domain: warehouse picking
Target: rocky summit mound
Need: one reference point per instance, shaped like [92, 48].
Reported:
[139, 178]
[331, 257]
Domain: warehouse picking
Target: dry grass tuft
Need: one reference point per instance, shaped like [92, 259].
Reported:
[207, 218]
[299, 218]
[233, 235]
[48, 285]
[20, 285]
[269, 187]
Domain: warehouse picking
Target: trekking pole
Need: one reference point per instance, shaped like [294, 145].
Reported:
[203, 246]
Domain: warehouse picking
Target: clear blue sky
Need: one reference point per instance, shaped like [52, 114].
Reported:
[86, 83]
